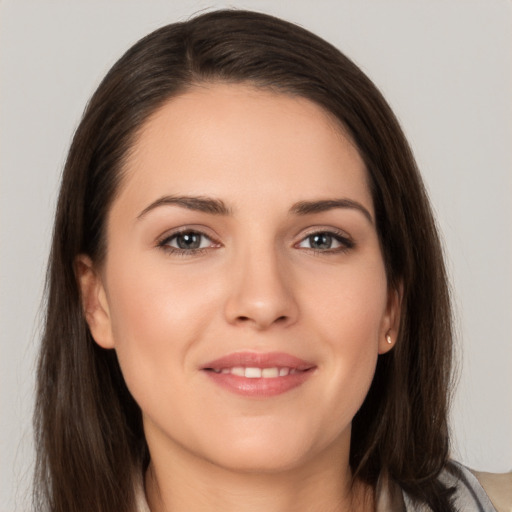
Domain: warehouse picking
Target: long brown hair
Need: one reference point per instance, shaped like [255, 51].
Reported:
[88, 428]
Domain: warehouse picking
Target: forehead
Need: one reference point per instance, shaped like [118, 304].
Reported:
[238, 142]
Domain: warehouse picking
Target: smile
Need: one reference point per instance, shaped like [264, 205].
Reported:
[259, 375]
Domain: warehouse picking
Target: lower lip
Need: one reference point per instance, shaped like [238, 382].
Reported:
[259, 387]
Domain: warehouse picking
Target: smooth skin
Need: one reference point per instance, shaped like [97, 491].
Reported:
[211, 251]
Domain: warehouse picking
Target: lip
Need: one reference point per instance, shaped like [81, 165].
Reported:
[259, 387]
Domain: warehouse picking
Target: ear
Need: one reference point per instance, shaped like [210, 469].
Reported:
[94, 301]
[391, 320]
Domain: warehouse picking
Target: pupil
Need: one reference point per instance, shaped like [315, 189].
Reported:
[321, 241]
[189, 241]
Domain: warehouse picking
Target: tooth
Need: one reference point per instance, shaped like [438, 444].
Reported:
[253, 373]
[293, 370]
[283, 372]
[270, 372]
[238, 370]
[225, 370]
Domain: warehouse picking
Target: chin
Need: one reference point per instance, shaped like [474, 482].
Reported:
[269, 450]
[266, 460]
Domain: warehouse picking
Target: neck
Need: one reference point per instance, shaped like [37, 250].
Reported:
[199, 485]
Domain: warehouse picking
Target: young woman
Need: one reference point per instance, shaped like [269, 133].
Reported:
[247, 303]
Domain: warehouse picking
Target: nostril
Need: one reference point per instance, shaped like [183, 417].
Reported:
[244, 319]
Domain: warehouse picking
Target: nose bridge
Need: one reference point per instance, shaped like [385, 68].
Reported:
[261, 291]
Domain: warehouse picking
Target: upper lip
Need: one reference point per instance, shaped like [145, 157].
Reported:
[259, 360]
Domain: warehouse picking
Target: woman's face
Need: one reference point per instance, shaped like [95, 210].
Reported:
[244, 289]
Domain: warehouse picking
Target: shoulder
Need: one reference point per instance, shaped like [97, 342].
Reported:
[472, 491]
[498, 486]
[485, 492]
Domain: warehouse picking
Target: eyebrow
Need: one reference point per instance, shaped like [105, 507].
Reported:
[199, 204]
[311, 207]
[218, 207]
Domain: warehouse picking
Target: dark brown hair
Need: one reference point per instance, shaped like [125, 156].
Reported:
[88, 428]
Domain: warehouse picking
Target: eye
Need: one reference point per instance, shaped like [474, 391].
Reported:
[188, 241]
[326, 241]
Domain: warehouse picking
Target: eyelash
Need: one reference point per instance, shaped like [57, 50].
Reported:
[346, 243]
[164, 243]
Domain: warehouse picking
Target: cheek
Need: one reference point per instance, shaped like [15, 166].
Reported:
[350, 305]
[156, 316]
[349, 317]
[152, 300]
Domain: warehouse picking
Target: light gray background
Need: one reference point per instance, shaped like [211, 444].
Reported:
[444, 67]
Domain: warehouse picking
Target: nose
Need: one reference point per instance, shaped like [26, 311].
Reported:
[261, 292]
